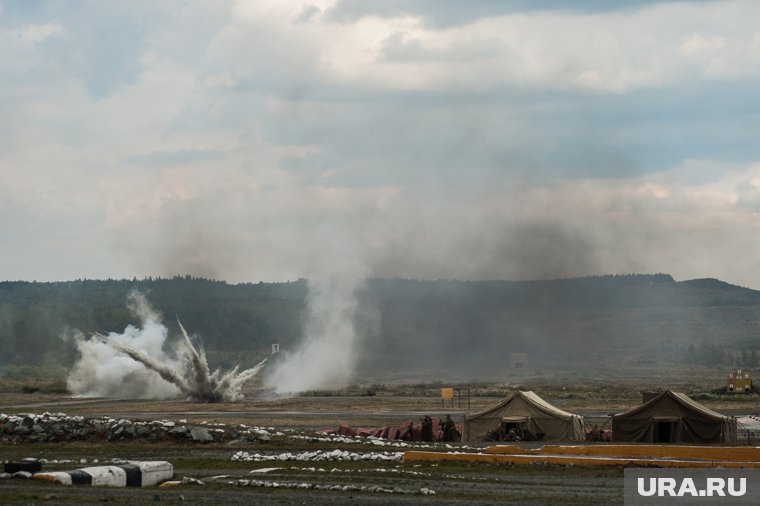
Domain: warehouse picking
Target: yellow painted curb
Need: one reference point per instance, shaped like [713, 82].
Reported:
[727, 453]
[579, 460]
[510, 449]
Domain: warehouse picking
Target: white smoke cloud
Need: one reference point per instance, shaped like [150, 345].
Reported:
[136, 364]
[102, 371]
[327, 356]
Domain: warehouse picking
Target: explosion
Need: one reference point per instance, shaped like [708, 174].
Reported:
[198, 383]
[126, 365]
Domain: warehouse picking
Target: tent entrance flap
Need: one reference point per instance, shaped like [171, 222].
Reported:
[665, 431]
[514, 419]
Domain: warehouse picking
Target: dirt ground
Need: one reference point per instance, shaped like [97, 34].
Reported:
[453, 483]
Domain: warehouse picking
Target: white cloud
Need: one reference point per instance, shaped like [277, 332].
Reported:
[185, 166]
[699, 44]
[224, 80]
[606, 53]
[39, 33]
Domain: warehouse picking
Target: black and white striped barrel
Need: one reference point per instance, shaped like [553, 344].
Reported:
[133, 474]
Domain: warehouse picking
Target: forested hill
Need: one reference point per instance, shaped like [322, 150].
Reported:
[34, 316]
[405, 324]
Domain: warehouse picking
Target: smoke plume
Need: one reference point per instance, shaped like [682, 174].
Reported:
[327, 356]
[102, 371]
[134, 364]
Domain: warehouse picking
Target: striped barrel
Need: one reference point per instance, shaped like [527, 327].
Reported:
[132, 474]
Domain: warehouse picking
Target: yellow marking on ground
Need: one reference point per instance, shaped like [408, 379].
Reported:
[727, 453]
[579, 460]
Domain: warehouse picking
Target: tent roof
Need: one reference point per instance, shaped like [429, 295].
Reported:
[679, 397]
[531, 398]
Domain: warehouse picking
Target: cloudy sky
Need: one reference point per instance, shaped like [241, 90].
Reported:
[271, 140]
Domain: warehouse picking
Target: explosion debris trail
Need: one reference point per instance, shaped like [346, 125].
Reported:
[199, 366]
[136, 364]
[166, 372]
[199, 383]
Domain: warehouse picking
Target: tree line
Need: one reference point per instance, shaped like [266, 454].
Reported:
[406, 324]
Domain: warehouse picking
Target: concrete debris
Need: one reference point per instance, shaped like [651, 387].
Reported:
[335, 455]
[336, 470]
[374, 441]
[201, 435]
[375, 489]
[59, 427]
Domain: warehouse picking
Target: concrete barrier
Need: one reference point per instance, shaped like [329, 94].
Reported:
[154, 472]
[576, 460]
[731, 453]
[510, 449]
[31, 466]
[62, 477]
[132, 474]
[728, 453]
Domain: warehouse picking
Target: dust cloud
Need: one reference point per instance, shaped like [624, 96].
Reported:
[134, 364]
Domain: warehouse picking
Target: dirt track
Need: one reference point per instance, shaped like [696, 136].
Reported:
[302, 412]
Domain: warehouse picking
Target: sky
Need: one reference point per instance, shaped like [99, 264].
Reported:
[272, 140]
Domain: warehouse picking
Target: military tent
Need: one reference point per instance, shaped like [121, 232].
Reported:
[673, 417]
[524, 411]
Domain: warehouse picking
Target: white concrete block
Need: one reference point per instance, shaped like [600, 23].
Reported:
[109, 476]
[54, 476]
[154, 472]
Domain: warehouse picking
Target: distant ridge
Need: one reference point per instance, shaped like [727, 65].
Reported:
[408, 324]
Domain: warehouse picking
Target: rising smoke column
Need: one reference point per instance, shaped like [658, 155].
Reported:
[327, 356]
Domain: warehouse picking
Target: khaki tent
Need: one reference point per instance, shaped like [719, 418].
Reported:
[673, 417]
[527, 411]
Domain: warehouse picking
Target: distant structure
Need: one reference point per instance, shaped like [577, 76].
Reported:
[447, 393]
[739, 382]
[648, 396]
[518, 363]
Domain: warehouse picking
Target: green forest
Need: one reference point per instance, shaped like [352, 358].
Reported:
[403, 325]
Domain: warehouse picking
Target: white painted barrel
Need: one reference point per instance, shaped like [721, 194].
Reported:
[132, 474]
[109, 476]
[54, 476]
[155, 472]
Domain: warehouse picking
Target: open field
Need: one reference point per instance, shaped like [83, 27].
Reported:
[390, 482]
